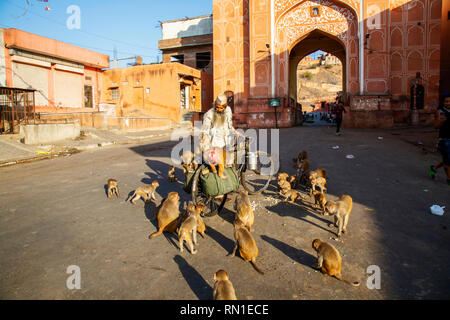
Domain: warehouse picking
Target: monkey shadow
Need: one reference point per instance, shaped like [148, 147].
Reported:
[198, 285]
[285, 209]
[227, 214]
[295, 254]
[106, 189]
[223, 241]
[150, 212]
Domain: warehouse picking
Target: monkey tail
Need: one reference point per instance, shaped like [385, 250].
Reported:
[353, 284]
[154, 234]
[253, 262]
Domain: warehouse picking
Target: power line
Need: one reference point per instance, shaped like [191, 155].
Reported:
[86, 32]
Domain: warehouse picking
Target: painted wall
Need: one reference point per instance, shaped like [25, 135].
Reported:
[58, 71]
[154, 90]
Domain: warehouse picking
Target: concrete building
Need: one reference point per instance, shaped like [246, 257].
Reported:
[165, 91]
[188, 41]
[66, 78]
[382, 45]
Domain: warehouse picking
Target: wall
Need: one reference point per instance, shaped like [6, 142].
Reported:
[403, 38]
[58, 71]
[187, 27]
[162, 99]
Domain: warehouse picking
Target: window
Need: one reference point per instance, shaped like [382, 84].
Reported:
[148, 90]
[114, 93]
[202, 59]
[315, 11]
[177, 58]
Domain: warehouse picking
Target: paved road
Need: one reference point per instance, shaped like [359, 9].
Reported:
[54, 213]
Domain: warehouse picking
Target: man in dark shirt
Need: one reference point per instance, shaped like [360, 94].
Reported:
[443, 123]
[338, 112]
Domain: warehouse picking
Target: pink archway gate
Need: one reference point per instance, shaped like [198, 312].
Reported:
[296, 20]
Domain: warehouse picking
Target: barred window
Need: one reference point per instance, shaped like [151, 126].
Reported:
[114, 93]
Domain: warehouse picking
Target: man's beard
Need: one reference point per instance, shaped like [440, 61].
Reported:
[219, 118]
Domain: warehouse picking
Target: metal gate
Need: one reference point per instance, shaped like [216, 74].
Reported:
[17, 106]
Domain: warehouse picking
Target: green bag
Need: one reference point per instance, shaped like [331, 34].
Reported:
[212, 185]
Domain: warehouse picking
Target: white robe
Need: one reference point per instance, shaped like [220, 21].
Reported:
[218, 135]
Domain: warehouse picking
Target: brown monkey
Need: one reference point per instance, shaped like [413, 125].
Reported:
[319, 200]
[244, 209]
[284, 185]
[147, 192]
[188, 230]
[171, 174]
[282, 176]
[341, 210]
[213, 156]
[167, 214]
[188, 162]
[320, 172]
[113, 188]
[196, 210]
[318, 182]
[247, 245]
[223, 288]
[329, 260]
[290, 194]
[302, 155]
[303, 171]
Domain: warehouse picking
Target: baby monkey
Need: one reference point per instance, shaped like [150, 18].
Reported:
[113, 188]
[171, 174]
[329, 260]
[190, 226]
[291, 194]
[146, 192]
[223, 288]
[319, 200]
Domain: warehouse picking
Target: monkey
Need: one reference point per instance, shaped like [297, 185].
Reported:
[171, 174]
[197, 210]
[213, 156]
[223, 288]
[282, 176]
[320, 172]
[290, 194]
[302, 155]
[319, 200]
[188, 162]
[167, 214]
[341, 210]
[293, 180]
[247, 245]
[147, 192]
[244, 209]
[329, 260]
[188, 230]
[284, 186]
[113, 188]
[318, 182]
[303, 171]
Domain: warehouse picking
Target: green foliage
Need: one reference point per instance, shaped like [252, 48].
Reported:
[307, 75]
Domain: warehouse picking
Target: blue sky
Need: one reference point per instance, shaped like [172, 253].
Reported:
[130, 25]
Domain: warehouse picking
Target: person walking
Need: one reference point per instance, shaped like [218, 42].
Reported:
[443, 124]
[338, 111]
